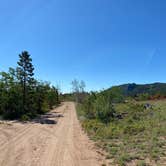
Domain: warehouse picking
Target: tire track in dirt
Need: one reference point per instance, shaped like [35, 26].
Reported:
[61, 144]
[13, 144]
[16, 137]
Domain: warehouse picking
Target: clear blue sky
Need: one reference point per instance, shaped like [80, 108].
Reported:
[103, 42]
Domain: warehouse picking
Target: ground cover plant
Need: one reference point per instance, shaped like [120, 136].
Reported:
[132, 132]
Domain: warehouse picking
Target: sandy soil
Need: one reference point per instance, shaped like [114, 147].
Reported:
[43, 143]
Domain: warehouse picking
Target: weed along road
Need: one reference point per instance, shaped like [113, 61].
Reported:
[56, 139]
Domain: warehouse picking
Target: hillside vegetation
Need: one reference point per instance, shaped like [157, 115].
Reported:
[132, 132]
[143, 92]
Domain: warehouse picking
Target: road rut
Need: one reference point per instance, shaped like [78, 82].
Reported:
[43, 143]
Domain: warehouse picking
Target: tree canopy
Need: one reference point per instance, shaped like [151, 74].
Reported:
[21, 95]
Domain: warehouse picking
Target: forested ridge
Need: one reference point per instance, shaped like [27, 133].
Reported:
[143, 91]
[22, 95]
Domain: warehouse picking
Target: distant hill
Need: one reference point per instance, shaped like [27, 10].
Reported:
[137, 89]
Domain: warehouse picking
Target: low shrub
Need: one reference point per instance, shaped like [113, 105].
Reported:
[25, 118]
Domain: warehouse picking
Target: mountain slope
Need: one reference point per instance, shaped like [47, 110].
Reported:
[136, 89]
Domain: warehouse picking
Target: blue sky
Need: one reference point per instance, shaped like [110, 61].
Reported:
[103, 42]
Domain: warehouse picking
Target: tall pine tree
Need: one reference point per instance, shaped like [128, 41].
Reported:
[25, 75]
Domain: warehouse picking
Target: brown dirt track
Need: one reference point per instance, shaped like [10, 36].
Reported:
[42, 143]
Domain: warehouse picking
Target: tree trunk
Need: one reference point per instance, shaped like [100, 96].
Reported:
[24, 95]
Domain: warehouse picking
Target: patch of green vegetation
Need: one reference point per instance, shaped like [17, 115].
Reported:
[135, 133]
[141, 163]
[123, 159]
[25, 118]
[21, 95]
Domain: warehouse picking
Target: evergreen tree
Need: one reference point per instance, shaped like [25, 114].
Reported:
[25, 75]
[22, 96]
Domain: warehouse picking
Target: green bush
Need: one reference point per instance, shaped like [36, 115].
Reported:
[25, 118]
[93, 126]
[104, 109]
[99, 106]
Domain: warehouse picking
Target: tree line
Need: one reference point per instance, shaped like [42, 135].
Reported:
[96, 105]
[23, 96]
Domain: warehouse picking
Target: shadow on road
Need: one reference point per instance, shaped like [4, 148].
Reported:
[49, 118]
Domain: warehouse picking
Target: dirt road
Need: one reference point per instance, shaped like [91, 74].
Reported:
[43, 143]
